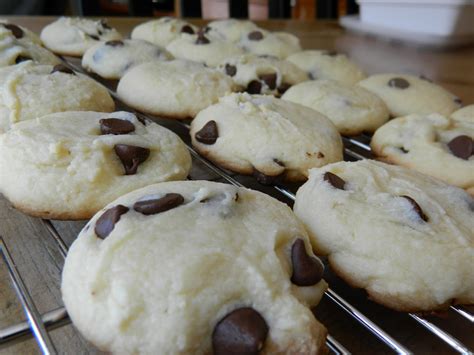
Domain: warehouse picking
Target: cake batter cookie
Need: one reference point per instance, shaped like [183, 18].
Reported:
[351, 108]
[258, 75]
[465, 114]
[406, 94]
[231, 29]
[265, 136]
[69, 165]
[73, 36]
[112, 59]
[275, 44]
[20, 33]
[163, 30]
[28, 91]
[322, 64]
[195, 267]
[432, 144]
[175, 89]
[406, 238]
[203, 48]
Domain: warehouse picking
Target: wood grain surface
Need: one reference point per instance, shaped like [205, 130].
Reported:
[40, 262]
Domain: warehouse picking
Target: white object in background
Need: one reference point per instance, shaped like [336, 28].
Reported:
[435, 17]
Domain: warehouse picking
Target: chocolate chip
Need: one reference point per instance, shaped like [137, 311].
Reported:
[131, 156]
[104, 24]
[307, 270]
[283, 88]
[462, 147]
[242, 331]
[416, 207]
[269, 79]
[21, 58]
[187, 29]
[230, 70]
[62, 69]
[116, 126]
[205, 29]
[106, 223]
[331, 53]
[163, 204]
[94, 37]
[398, 83]
[254, 87]
[201, 39]
[334, 180]
[208, 134]
[457, 100]
[266, 179]
[116, 43]
[320, 155]
[255, 36]
[15, 30]
[312, 76]
[422, 77]
[279, 162]
[403, 150]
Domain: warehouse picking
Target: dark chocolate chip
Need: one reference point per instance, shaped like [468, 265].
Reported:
[254, 87]
[115, 43]
[462, 147]
[307, 270]
[205, 29]
[106, 223]
[131, 156]
[283, 88]
[208, 134]
[403, 150]
[187, 29]
[267, 179]
[15, 30]
[94, 37]
[416, 207]
[242, 331]
[422, 77]
[320, 155]
[255, 36]
[279, 162]
[269, 79]
[201, 39]
[398, 83]
[21, 58]
[334, 180]
[116, 126]
[163, 204]
[104, 24]
[62, 69]
[230, 69]
[331, 53]
[457, 100]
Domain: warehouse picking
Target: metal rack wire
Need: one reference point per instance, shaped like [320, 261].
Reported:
[39, 325]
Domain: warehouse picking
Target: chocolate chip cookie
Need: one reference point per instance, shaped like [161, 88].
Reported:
[162, 31]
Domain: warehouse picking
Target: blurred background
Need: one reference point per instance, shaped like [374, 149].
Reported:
[207, 9]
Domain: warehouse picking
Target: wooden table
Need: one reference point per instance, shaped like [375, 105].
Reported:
[40, 262]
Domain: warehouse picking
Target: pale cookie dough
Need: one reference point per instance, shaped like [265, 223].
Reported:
[175, 89]
[464, 114]
[195, 267]
[28, 91]
[163, 30]
[20, 33]
[69, 165]
[275, 44]
[231, 29]
[321, 64]
[406, 238]
[432, 144]
[265, 136]
[73, 36]
[203, 48]
[112, 59]
[406, 94]
[259, 75]
[14, 51]
[351, 108]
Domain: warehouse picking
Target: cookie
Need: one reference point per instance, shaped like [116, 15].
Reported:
[231, 29]
[321, 64]
[432, 144]
[112, 59]
[175, 89]
[163, 30]
[406, 238]
[351, 108]
[265, 136]
[203, 48]
[73, 36]
[20, 33]
[262, 75]
[69, 165]
[464, 114]
[276, 44]
[28, 91]
[406, 94]
[195, 267]
[14, 51]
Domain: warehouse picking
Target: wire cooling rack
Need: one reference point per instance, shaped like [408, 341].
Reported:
[40, 325]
